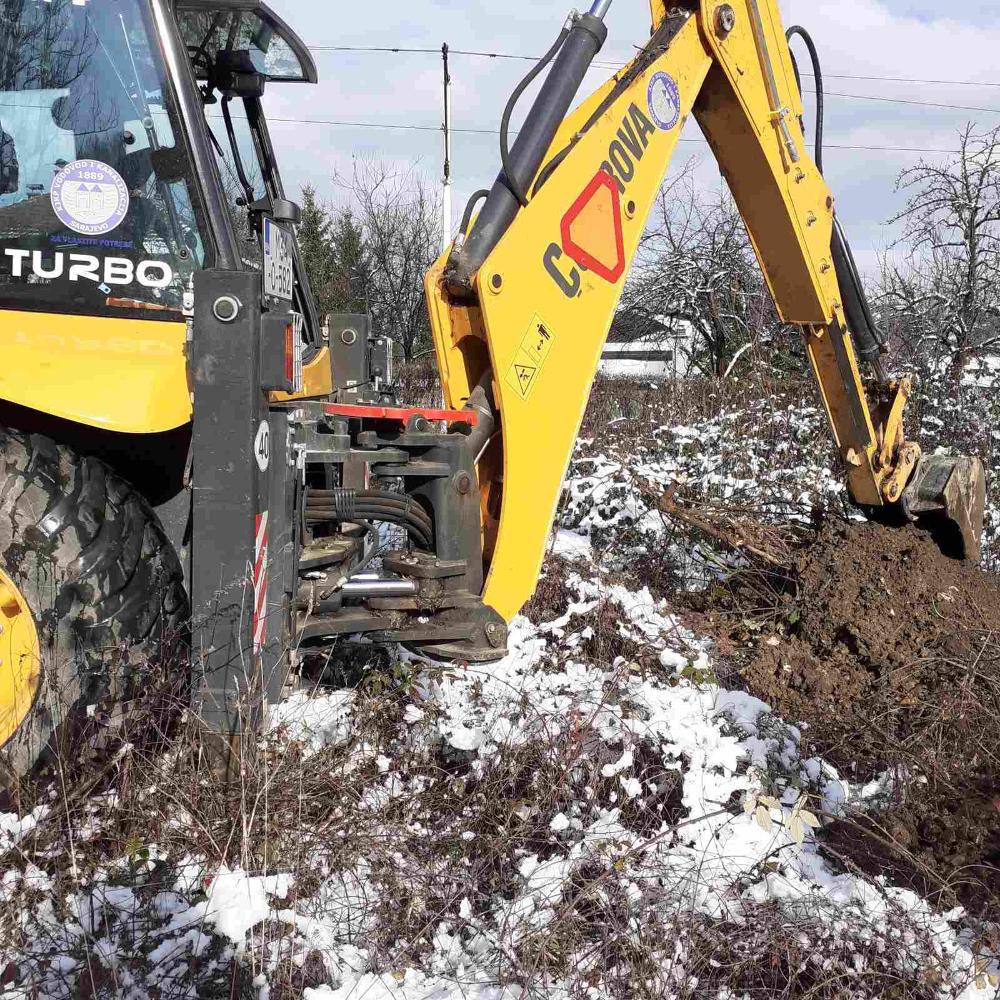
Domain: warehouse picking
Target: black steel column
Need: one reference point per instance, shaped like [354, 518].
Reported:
[231, 531]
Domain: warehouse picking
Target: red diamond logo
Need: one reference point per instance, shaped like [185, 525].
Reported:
[592, 231]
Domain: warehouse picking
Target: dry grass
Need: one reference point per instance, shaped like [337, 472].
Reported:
[447, 846]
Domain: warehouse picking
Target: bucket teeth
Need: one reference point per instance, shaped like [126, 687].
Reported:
[948, 496]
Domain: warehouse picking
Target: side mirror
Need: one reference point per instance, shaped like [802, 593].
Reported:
[280, 209]
[283, 210]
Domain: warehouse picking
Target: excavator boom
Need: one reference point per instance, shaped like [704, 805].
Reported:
[522, 305]
[185, 442]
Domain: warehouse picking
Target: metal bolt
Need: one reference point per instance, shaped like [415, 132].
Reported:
[463, 483]
[496, 282]
[725, 19]
[495, 635]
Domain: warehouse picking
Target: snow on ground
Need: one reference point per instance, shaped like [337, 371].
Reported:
[633, 739]
[553, 825]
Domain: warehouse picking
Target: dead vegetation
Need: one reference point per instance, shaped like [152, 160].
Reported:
[408, 848]
[325, 829]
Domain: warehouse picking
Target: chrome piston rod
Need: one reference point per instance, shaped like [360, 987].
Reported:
[365, 587]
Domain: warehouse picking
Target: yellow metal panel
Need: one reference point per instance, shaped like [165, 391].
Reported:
[549, 322]
[786, 205]
[117, 374]
[459, 340]
[20, 661]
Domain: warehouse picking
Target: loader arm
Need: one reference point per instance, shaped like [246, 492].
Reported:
[528, 322]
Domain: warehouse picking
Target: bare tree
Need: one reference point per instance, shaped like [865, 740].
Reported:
[400, 220]
[696, 266]
[943, 305]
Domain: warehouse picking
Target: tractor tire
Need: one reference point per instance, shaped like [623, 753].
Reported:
[106, 592]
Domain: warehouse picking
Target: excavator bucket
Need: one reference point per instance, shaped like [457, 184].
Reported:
[948, 496]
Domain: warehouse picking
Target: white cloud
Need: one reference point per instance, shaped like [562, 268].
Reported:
[856, 37]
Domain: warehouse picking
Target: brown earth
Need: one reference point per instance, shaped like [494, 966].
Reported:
[889, 653]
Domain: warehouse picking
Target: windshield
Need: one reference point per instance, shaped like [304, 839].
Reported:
[97, 213]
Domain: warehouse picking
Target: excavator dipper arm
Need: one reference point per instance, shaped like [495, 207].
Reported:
[521, 310]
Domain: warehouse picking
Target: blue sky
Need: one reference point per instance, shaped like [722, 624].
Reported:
[900, 38]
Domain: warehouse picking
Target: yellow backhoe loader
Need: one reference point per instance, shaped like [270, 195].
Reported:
[202, 482]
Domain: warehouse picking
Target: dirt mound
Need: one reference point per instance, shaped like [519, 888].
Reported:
[875, 614]
[890, 653]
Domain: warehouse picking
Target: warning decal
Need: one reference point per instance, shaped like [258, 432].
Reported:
[531, 357]
[260, 583]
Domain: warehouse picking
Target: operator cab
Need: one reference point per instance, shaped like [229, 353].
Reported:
[122, 173]
[216, 33]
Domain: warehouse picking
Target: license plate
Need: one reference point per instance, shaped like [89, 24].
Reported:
[279, 267]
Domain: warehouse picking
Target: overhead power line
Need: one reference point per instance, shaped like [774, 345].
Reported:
[617, 65]
[407, 127]
[940, 105]
[918, 104]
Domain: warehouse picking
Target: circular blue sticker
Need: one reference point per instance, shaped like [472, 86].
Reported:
[90, 197]
[664, 101]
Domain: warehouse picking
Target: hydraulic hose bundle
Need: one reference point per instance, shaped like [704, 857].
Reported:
[359, 506]
[868, 339]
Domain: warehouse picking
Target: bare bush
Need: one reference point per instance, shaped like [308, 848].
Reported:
[400, 220]
[942, 306]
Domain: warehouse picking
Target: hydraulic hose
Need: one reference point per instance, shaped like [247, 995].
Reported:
[508, 172]
[574, 55]
[868, 339]
[469, 209]
[345, 503]
[374, 505]
[798, 31]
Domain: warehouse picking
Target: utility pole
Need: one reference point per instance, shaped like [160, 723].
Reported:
[446, 190]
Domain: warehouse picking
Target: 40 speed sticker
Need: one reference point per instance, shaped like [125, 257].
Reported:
[262, 446]
[90, 197]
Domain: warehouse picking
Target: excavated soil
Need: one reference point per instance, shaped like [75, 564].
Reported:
[889, 653]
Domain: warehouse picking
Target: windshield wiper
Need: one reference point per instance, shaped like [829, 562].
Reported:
[234, 144]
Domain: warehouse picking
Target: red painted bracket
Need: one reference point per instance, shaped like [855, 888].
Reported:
[401, 414]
